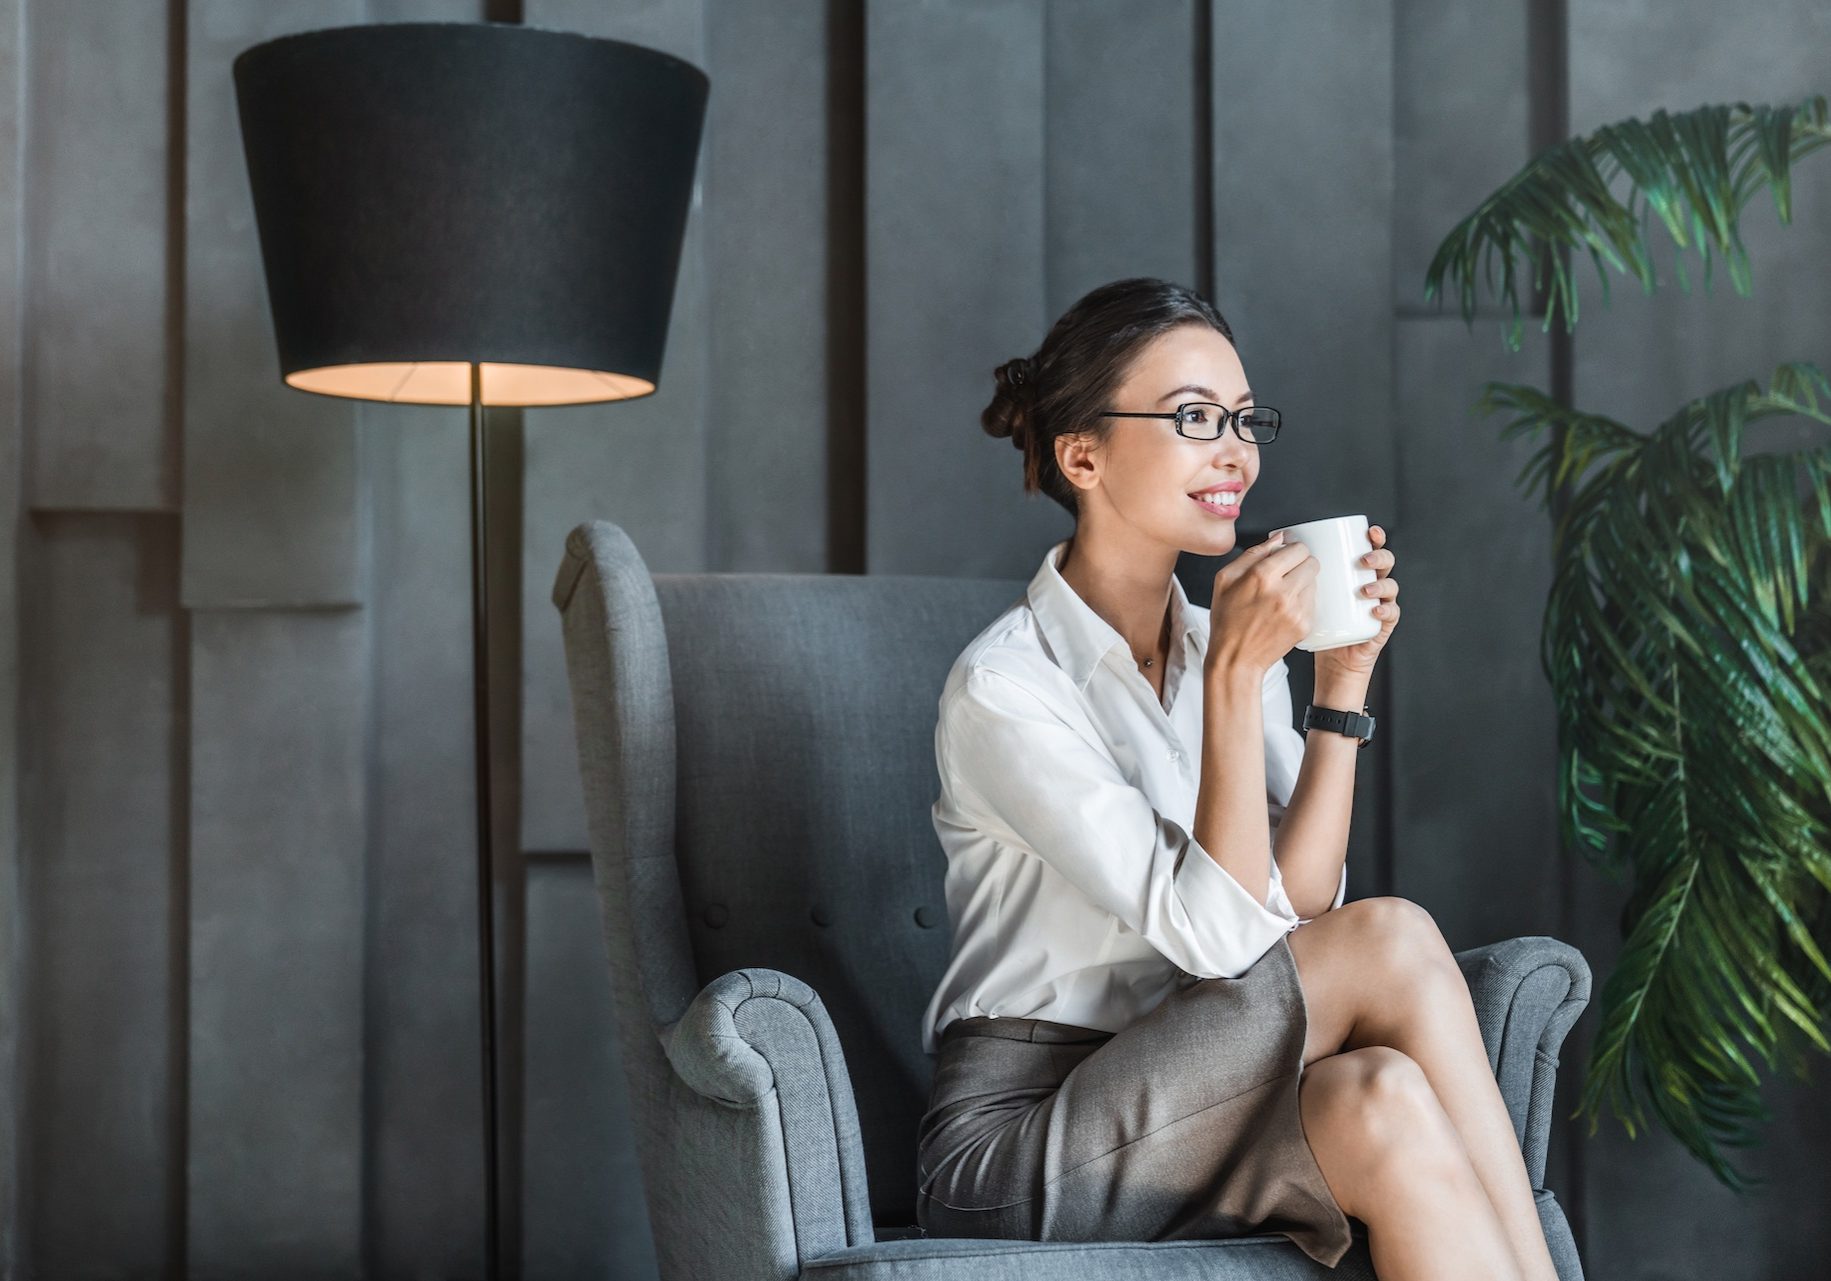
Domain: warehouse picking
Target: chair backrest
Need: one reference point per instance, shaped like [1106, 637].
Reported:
[758, 758]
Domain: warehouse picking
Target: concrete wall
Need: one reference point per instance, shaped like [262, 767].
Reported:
[237, 952]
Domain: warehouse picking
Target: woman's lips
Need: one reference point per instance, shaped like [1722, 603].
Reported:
[1225, 513]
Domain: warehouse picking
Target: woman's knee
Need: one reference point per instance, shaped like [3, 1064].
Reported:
[1370, 1111]
[1403, 939]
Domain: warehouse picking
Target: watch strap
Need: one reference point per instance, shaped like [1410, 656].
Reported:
[1353, 724]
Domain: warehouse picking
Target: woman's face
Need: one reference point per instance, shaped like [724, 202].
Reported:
[1144, 474]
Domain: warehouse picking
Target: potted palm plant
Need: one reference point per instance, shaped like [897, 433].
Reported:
[1687, 637]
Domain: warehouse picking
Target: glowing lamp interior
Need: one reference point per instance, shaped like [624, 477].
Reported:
[447, 382]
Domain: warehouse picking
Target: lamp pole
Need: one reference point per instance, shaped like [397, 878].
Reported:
[486, 828]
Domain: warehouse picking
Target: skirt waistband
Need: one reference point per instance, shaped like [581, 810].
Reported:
[1022, 1029]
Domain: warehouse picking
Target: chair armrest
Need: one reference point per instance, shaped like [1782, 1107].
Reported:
[1527, 993]
[768, 1135]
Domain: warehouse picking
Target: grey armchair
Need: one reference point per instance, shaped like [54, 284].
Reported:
[757, 755]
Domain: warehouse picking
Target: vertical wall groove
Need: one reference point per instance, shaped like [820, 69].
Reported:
[1201, 167]
[13, 543]
[1547, 70]
[847, 341]
[178, 1050]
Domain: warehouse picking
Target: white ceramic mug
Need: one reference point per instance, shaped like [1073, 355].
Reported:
[1343, 616]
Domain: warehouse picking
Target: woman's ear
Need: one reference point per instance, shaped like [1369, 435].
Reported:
[1078, 458]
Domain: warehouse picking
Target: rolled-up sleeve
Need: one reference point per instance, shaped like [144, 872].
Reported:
[1037, 782]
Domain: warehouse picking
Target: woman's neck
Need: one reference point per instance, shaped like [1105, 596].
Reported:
[1135, 599]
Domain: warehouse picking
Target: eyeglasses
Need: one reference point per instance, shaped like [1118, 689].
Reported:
[1204, 420]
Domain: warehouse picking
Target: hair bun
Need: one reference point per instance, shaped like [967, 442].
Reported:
[1009, 413]
[1018, 377]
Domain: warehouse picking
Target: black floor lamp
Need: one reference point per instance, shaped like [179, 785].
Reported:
[470, 213]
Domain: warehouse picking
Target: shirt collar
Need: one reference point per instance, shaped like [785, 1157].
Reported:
[1078, 636]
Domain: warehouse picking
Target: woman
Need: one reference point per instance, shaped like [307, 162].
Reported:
[1151, 1027]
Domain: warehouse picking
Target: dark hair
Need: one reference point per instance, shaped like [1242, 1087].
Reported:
[1072, 377]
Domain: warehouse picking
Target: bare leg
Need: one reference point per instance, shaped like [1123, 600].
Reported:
[1394, 1161]
[1430, 1016]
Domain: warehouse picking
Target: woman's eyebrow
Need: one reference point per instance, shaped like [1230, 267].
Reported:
[1209, 392]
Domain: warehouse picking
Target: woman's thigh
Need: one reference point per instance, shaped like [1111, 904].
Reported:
[1193, 1091]
[1360, 954]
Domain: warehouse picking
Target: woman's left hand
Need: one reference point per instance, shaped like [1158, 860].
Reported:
[1359, 658]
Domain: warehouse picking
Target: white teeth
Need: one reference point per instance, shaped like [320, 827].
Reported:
[1224, 499]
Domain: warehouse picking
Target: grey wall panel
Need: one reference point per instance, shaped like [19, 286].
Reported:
[1476, 743]
[104, 830]
[1474, 561]
[280, 702]
[584, 1210]
[954, 238]
[641, 463]
[424, 1168]
[1122, 173]
[1639, 359]
[269, 473]
[98, 89]
[774, 169]
[1304, 273]
[14, 545]
[1459, 128]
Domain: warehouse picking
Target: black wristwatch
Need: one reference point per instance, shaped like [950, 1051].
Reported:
[1353, 724]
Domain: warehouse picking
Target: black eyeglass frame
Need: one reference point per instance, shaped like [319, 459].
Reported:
[1229, 417]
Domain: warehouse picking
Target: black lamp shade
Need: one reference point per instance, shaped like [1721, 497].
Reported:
[432, 194]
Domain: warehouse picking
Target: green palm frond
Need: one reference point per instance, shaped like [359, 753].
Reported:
[1699, 167]
[1688, 640]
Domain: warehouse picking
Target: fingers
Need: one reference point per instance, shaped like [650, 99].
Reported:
[1262, 553]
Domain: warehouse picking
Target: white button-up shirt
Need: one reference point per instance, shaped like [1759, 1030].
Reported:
[1075, 886]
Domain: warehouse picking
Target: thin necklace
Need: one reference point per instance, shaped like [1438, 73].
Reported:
[1146, 662]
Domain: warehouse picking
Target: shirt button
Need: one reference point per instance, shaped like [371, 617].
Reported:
[1176, 756]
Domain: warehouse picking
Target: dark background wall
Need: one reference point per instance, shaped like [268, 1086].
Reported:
[237, 966]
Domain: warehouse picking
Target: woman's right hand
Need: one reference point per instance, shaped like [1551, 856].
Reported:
[1264, 602]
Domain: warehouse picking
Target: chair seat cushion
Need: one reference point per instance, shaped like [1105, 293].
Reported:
[1262, 1257]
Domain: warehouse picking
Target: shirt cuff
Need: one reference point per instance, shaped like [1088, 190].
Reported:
[1231, 928]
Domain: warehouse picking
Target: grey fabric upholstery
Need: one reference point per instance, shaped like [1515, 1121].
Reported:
[757, 756]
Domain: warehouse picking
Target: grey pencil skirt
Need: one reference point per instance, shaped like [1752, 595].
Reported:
[1183, 1124]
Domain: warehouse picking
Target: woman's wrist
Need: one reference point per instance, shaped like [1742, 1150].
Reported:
[1230, 682]
[1346, 690]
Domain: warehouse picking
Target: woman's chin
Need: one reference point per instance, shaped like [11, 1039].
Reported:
[1212, 542]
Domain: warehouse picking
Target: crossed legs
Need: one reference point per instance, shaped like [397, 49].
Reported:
[1399, 1103]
